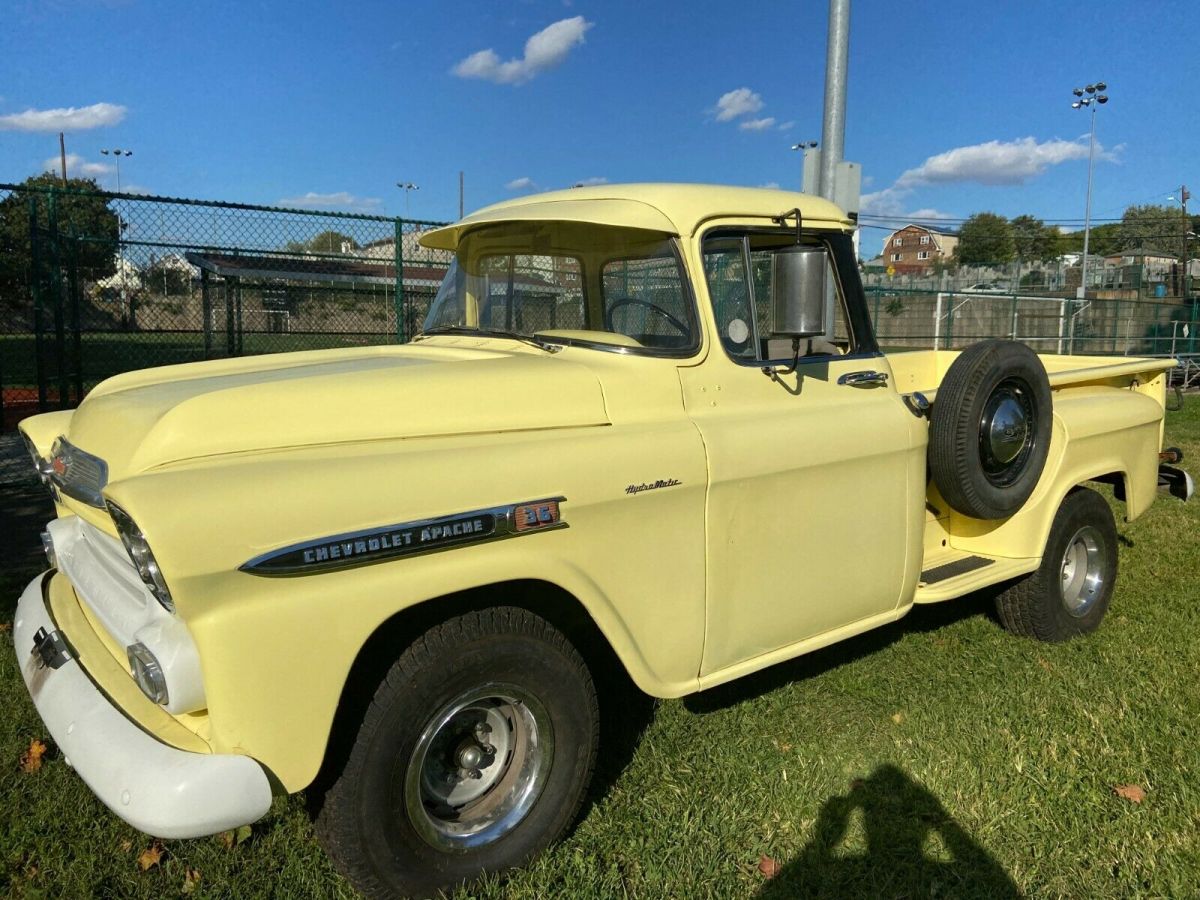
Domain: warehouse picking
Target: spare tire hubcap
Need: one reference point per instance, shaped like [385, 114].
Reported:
[1007, 429]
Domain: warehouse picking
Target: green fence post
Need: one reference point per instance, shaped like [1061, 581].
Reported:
[1116, 327]
[56, 292]
[206, 314]
[399, 297]
[76, 335]
[35, 287]
[230, 321]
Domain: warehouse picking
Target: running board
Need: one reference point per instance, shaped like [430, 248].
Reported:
[967, 572]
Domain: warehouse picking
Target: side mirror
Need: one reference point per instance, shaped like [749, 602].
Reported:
[798, 285]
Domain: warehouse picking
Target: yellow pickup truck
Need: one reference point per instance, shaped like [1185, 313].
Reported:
[643, 424]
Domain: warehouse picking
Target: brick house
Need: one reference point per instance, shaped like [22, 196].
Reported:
[915, 249]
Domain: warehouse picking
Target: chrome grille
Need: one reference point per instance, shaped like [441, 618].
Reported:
[78, 474]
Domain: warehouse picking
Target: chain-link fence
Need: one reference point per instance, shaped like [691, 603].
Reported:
[952, 320]
[1127, 275]
[93, 283]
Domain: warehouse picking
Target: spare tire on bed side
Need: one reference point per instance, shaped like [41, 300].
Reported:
[989, 432]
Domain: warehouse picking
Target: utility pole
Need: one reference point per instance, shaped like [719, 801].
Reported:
[62, 156]
[1185, 282]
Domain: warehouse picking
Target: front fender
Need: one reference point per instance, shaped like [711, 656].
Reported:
[276, 651]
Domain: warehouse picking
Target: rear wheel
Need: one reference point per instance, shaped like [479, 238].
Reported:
[473, 756]
[1071, 589]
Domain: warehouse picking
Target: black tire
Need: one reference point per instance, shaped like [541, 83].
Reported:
[982, 468]
[1043, 605]
[391, 842]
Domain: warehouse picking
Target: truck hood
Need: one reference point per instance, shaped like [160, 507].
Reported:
[153, 417]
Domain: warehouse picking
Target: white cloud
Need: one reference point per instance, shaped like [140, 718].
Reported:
[70, 118]
[77, 167]
[788, 125]
[524, 183]
[590, 182]
[739, 102]
[757, 124]
[335, 200]
[993, 163]
[770, 185]
[544, 50]
[928, 212]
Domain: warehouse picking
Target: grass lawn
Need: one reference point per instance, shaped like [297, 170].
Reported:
[936, 757]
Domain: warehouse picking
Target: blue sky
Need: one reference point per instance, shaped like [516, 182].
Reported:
[953, 108]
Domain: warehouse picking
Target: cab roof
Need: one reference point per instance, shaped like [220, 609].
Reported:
[678, 209]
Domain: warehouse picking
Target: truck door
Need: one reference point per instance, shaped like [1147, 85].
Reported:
[815, 477]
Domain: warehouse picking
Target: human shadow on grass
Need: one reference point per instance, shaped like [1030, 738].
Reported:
[922, 618]
[914, 849]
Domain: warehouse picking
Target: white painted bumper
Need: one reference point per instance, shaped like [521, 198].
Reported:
[156, 788]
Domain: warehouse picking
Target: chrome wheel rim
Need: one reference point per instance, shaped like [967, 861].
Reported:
[478, 767]
[1083, 571]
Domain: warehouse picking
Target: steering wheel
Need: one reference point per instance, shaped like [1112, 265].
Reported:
[653, 307]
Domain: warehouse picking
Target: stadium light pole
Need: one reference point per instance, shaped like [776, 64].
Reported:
[407, 187]
[1089, 97]
[116, 155]
[804, 147]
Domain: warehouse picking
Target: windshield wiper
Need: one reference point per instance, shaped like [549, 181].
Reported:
[533, 341]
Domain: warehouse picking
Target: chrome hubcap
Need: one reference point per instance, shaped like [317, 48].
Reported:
[1082, 571]
[1006, 431]
[478, 767]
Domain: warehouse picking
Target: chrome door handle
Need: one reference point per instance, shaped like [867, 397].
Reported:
[864, 379]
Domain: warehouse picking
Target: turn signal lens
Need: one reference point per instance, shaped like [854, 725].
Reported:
[144, 667]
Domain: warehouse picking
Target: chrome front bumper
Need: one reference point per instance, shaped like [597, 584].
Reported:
[156, 788]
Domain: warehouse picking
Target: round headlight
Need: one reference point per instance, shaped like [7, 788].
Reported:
[143, 560]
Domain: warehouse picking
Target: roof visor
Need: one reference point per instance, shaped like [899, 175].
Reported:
[622, 213]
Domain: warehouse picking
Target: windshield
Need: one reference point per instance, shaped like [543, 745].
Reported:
[569, 283]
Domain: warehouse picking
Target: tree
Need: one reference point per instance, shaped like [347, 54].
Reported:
[984, 239]
[1105, 240]
[1153, 226]
[327, 241]
[1032, 240]
[81, 209]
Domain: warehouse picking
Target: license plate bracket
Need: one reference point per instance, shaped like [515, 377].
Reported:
[51, 649]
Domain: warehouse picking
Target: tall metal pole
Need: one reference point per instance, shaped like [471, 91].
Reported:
[1087, 214]
[1185, 285]
[833, 128]
[62, 156]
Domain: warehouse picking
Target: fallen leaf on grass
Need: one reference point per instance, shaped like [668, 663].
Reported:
[898, 717]
[191, 881]
[5, 626]
[230, 839]
[126, 846]
[768, 867]
[1131, 792]
[1045, 665]
[31, 759]
[151, 856]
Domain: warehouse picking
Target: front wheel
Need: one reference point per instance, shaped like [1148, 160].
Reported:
[1070, 591]
[474, 755]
